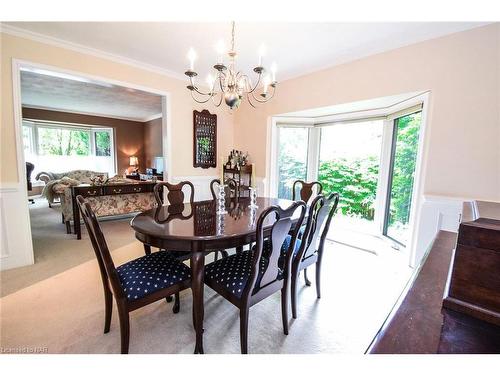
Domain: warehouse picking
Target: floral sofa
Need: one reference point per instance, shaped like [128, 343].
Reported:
[59, 185]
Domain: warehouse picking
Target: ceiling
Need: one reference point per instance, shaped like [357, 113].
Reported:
[297, 48]
[67, 93]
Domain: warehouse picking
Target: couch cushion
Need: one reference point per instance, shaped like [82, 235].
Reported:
[148, 274]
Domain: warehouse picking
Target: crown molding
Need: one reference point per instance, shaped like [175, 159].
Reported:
[94, 114]
[37, 37]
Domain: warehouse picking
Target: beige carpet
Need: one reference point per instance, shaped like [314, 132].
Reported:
[64, 311]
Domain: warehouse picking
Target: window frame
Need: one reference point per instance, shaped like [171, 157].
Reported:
[419, 102]
[35, 144]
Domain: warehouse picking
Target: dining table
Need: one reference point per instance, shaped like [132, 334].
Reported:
[198, 229]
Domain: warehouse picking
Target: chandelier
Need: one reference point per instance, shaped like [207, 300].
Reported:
[229, 83]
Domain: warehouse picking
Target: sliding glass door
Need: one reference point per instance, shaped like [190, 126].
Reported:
[405, 136]
[349, 162]
[370, 163]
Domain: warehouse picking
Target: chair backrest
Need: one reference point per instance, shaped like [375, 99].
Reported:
[319, 218]
[231, 188]
[280, 229]
[104, 259]
[175, 194]
[29, 171]
[174, 211]
[306, 189]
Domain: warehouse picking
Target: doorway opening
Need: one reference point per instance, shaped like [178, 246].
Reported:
[72, 127]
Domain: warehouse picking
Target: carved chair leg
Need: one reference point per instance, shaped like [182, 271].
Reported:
[177, 304]
[169, 299]
[108, 305]
[294, 295]
[318, 279]
[68, 227]
[284, 308]
[306, 280]
[124, 328]
[147, 249]
[244, 329]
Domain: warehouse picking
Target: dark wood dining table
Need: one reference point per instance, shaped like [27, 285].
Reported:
[197, 229]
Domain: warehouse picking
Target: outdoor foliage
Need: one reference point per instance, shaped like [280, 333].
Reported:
[102, 144]
[63, 142]
[356, 182]
[404, 168]
[356, 179]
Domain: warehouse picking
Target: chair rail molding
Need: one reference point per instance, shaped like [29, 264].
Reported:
[16, 247]
[202, 185]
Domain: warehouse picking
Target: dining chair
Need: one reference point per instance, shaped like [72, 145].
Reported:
[231, 191]
[247, 278]
[310, 249]
[231, 188]
[136, 283]
[306, 190]
[175, 197]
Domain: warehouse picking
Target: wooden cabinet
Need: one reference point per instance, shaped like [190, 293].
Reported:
[474, 279]
[243, 178]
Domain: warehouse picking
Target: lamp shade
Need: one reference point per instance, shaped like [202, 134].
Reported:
[134, 161]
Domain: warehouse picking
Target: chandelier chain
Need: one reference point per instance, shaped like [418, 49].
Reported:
[232, 38]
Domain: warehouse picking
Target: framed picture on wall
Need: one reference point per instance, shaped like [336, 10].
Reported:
[204, 139]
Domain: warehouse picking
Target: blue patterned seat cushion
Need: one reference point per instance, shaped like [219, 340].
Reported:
[232, 273]
[151, 273]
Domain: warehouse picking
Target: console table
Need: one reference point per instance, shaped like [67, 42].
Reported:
[93, 191]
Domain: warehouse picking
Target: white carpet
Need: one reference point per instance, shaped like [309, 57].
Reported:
[64, 311]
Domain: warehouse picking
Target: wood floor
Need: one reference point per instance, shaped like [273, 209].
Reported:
[420, 325]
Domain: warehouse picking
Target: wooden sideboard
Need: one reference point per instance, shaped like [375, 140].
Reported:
[474, 277]
[101, 190]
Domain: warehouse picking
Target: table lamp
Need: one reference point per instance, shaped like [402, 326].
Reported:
[134, 162]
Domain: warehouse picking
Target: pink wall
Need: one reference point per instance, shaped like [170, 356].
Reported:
[463, 75]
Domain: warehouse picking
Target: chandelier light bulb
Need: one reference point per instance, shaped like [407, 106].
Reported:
[220, 47]
[262, 52]
[228, 85]
[191, 56]
[273, 71]
[210, 81]
[266, 83]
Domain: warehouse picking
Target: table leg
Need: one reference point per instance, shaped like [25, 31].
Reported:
[197, 286]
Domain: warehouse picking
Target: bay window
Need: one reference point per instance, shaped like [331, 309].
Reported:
[54, 147]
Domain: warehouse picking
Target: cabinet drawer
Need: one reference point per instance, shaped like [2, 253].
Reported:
[126, 189]
[90, 191]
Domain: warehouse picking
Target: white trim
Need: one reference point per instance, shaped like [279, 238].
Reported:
[23, 220]
[37, 37]
[152, 117]
[418, 187]
[93, 114]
